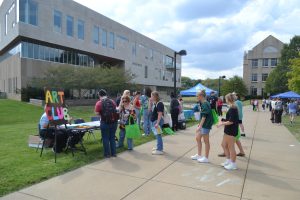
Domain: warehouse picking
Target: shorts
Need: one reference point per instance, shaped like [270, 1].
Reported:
[292, 112]
[240, 121]
[204, 131]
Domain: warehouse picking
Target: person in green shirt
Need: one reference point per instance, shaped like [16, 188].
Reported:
[203, 129]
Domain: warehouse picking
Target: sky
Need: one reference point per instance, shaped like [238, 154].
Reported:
[215, 33]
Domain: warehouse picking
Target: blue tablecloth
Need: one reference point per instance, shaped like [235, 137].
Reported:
[188, 114]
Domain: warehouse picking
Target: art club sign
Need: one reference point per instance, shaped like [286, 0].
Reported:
[56, 109]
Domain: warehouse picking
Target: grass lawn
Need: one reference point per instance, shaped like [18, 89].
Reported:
[189, 99]
[20, 165]
[295, 128]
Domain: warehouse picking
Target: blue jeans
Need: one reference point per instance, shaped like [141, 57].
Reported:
[108, 132]
[159, 140]
[122, 135]
[138, 116]
[147, 124]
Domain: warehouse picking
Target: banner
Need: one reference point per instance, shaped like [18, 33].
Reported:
[55, 107]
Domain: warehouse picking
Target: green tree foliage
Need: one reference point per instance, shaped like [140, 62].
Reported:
[278, 80]
[113, 79]
[294, 75]
[187, 82]
[234, 84]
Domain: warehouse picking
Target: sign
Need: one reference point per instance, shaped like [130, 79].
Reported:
[55, 108]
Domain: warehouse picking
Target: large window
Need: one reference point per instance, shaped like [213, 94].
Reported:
[254, 78]
[255, 63]
[253, 91]
[273, 62]
[28, 12]
[70, 26]
[264, 77]
[168, 61]
[40, 52]
[80, 29]
[96, 34]
[104, 38]
[112, 40]
[265, 62]
[57, 21]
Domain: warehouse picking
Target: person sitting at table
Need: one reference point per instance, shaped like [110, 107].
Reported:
[47, 132]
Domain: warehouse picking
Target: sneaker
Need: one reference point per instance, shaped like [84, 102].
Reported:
[157, 152]
[227, 162]
[154, 149]
[196, 157]
[203, 160]
[221, 155]
[231, 166]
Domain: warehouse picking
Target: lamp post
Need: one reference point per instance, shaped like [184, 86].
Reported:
[181, 53]
[220, 77]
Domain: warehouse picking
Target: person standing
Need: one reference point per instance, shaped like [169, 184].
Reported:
[278, 111]
[137, 107]
[273, 102]
[203, 129]
[127, 113]
[263, 104]
[267, 103]
[105, 108]
[213, 101]
[230, 124]
[157, 122]
[292, 110]
[174, 110]
[219, 106]
[146, 105]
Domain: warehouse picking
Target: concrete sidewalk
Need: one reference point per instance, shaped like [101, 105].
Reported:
[270, 170]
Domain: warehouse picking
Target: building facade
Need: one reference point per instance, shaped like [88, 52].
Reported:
[258, 64]
[38, 34]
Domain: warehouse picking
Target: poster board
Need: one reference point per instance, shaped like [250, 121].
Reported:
[55, 106]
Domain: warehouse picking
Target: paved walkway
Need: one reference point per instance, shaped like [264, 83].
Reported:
[270, 170]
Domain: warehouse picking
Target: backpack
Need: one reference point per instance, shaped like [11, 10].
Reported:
[278, 105]
[109, 113]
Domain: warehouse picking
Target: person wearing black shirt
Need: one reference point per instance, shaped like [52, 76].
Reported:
[174, 110]
[157, 122]
[213, 101]
[230, 124]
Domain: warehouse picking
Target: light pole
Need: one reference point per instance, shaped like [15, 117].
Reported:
[181, 53]
[220, 77]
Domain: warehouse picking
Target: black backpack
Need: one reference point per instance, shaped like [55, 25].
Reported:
[109, 113]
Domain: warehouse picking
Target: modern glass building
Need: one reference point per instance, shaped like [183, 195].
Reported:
[38, 34]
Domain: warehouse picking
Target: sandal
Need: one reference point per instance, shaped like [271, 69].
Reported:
[240, 154]
[221, 155]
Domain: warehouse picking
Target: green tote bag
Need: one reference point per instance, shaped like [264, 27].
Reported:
[132, 130]
[215, 116]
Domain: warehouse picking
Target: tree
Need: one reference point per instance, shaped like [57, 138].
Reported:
[187, 82]
[294, 75]
[278, 81]
[234, 84]
[113, 79]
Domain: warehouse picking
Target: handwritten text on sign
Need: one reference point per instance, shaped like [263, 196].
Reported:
[56, 110]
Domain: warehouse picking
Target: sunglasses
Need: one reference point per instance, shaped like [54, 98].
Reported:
[125, 101]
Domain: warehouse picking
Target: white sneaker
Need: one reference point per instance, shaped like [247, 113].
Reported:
[227, 162]
[196, 157]
[203, 160]
[154, 149]
[231, 166]
[157, 152]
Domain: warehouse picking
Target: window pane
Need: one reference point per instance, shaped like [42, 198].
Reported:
[70, 26]
[24, 49]
[146, 71]
[47, 54]
[254, 62]
[30, 50]
[104, 38]
[42, 52]
[80, 29]
[33, 12]
[36, 51]
[57, 21]
[22, 7]
[265, 62]
[96, 35]
[112, 40]
[274, 62]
